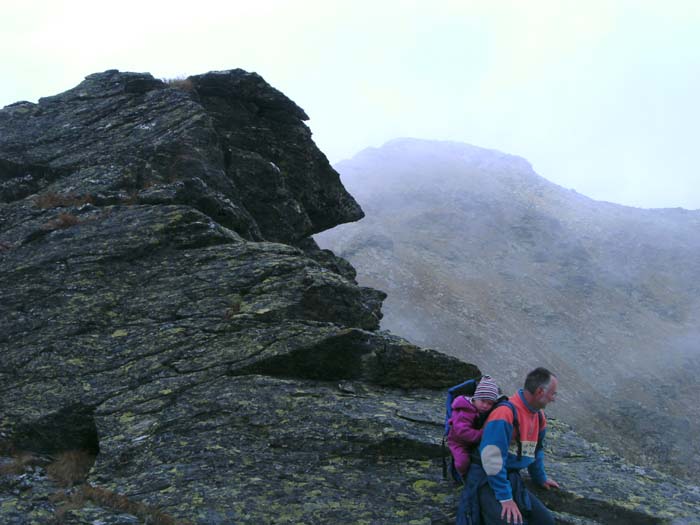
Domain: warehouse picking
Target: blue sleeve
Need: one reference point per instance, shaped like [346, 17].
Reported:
[536, 468]
[494, 453]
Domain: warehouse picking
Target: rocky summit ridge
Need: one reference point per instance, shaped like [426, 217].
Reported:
[166, 314]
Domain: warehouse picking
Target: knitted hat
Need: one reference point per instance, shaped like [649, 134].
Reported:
[486, 389]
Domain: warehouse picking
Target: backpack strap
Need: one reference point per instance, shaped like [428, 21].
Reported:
[516, 426]
[540, 416]
[444, 459]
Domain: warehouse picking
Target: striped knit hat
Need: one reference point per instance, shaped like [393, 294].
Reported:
[486, 389]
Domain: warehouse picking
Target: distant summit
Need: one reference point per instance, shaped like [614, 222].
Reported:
[488, 261]
[405, 157]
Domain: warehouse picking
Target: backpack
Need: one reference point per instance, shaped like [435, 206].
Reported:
[467, 389]
[463, 389]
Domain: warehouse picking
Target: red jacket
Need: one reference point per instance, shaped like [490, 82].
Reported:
[462, 436]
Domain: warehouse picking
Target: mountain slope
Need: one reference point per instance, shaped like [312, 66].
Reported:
[487, 261]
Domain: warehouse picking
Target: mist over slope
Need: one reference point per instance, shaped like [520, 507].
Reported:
[484, 259]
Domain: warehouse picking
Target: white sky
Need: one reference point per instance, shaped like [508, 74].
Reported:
[600, 96]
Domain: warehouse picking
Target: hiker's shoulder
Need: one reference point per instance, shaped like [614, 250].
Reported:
[502, 412]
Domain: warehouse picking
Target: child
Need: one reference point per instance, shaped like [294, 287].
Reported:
[468, 414]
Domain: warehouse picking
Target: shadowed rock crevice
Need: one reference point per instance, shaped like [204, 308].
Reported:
[333, 359]
[355, 354]
[600, 511]
[403, 448]
[71, 428]
[18, 180]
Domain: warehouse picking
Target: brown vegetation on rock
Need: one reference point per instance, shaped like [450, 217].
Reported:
[61, 222]
[59, 200]
[19, 463]
[71, 467]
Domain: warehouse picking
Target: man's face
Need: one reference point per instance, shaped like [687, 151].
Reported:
[545, 396]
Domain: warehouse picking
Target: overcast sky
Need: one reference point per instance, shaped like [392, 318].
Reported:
[600, 96]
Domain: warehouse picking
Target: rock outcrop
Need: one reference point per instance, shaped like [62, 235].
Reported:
[165, 311]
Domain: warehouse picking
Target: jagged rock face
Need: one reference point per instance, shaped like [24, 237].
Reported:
[120, 187]
[486, 260]
[145, 308]
[228, 144]
[148, 318]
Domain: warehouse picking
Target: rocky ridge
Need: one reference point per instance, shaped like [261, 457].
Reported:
[166, 312]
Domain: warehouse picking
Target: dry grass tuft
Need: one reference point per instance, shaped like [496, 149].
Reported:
[20, 462]
[147, 513]
[58, 200]
[74, 499]
[185, 84]
[67, 501]
[71, 467]
[63, 221]
[233, 310]
[132, 198]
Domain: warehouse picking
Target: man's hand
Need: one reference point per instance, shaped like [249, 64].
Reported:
[510, 512]
[550, 484]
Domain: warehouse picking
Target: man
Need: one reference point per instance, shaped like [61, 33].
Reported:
[502, 497]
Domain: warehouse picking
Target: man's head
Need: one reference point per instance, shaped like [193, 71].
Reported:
[540, 388]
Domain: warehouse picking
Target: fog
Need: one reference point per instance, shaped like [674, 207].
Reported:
[484, 259]
[599, 96]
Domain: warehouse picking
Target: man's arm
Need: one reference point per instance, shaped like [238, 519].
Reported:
[536, 469]
[494, 451]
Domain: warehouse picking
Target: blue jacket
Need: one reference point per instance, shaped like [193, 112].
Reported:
[498, 448]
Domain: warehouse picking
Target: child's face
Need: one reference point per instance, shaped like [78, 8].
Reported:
[482, 405]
